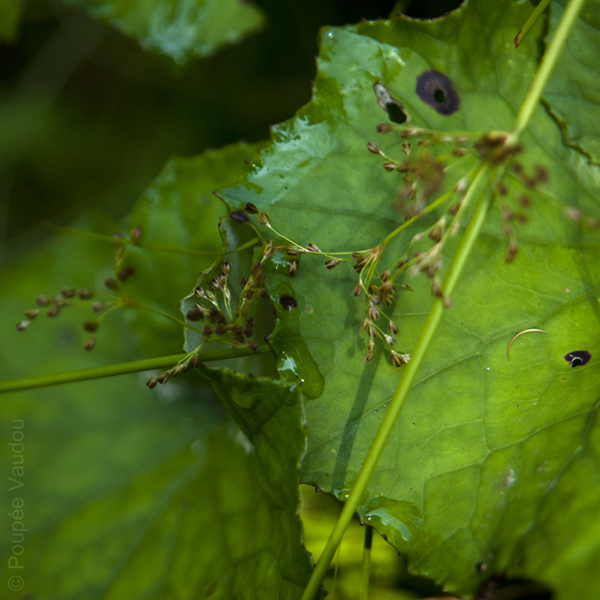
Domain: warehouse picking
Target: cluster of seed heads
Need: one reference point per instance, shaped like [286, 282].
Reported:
[191, 361]
[54, 305]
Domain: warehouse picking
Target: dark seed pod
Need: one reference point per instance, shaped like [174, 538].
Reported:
[125, 273]
[251, 208]
[207, 330]
[90, 343]
[163, 378]
[91, 326]
[53, 312]
[23, 325]
[99, 307]
[152, 383]
[384, 128]
[332, 263]
[253, 345]
[195, 314]
[85, 294]
[136, 234]
[374, 148]
[68, 293]
[111, 284]
[42, 300]
[194, 361]
[32, 314]
[292, 267]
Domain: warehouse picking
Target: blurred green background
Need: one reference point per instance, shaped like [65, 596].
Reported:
[88, 118]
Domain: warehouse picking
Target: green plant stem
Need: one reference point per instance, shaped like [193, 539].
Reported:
[99, 237]
[546, 67]
[435, 316]
[401, 393]
[366, 565]
[539, 9]
[162, 362]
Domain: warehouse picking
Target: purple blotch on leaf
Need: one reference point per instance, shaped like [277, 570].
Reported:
[578, 358]
[437, 90]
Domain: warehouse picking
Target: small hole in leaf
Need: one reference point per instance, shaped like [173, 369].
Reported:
[392, 107]
[395, 113]
[439, 96]
[578, 358]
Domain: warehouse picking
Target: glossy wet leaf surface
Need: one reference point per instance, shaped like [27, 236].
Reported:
[127, 492]
[492, 466]
[180, 29]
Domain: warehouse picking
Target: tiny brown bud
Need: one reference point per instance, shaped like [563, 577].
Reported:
[99, 307]
[369, 356]
[393, 328]
[194, 361]
[513, 248]
[502, 189]
[151, 383]
[384, 128]
[374, 148]
[251, 208]
[292, 267]
[389, 166]
[177, 370]
[541, 174]
[459, 151]
[406, 148]
[68, 293]
[162, 378]
[436, 289]
[332, 263]
[91, 326]
[90, 343]
[124, 274]
[390, 340]
[207, 330]
[135, 234]
[111, 284]
[32, 313]
[53, 312]
[263, 219]
[314, 248]
[253, 345]
[226, 268]
[23, 325]
[195, 314]
[269, 250]
[42, 300]
[85, 294]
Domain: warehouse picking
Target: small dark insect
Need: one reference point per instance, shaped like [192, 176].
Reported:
[578, 358]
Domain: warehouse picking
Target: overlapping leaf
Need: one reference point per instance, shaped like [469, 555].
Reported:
[491, 459]
[124, 492]
[181, 29]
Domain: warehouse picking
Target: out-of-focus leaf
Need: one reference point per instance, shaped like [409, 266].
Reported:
[10, 11]
[573, 93]
[181, 29]
[127, 492]
[486, 450]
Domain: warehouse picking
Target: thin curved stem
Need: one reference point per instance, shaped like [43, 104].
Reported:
[162, 362]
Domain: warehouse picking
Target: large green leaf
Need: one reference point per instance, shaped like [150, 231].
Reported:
[181, 29]
[488, 454]
[130, 493]
[573, 94]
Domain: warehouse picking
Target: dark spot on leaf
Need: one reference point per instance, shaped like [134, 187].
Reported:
[288, 302]
[578, 358]
[240, 216]
[437, 90]
[392, 107]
